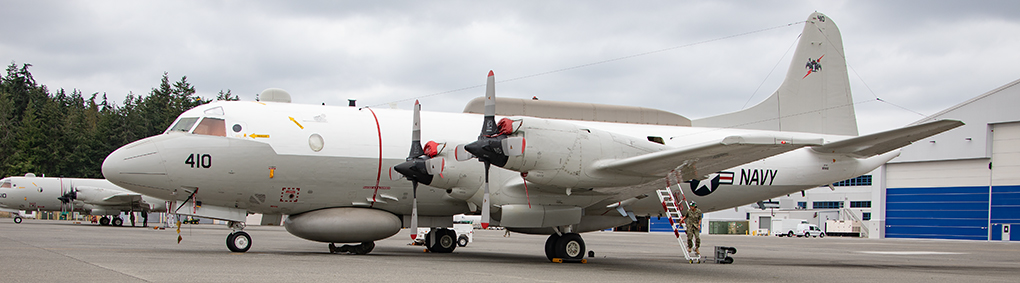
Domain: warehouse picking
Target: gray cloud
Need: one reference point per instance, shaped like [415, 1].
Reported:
[921, 56]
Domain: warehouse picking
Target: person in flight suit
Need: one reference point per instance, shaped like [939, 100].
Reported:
[692, 220]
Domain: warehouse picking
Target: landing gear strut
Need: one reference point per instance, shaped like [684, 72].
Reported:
[441, 240]
[568, 247]
[362, 249]
[238, 241]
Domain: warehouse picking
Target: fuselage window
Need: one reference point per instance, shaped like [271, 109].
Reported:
[212, 127]
[183, 125]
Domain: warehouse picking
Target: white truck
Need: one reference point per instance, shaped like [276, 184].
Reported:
[465, 234]
[786, 227]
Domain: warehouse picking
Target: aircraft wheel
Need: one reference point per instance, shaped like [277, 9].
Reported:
[441, 240]
[238, 242]
[104, 221]
[17, 220]
[570, 246]
[364, 248]
[117, 221]
[462, 241]
[550, 246]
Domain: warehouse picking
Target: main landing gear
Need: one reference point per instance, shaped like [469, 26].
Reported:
[568, 247]
[361, 249]
[238, 241]
[106, 221]
[441, 240]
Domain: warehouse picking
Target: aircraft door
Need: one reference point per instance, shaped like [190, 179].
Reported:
[1005, 232]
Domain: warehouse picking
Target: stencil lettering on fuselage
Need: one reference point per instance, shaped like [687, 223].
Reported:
[757, 177]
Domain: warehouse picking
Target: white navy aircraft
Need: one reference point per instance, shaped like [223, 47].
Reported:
[344, 175]
[92, 196]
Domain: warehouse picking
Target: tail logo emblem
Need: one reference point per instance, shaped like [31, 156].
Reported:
[813, 65]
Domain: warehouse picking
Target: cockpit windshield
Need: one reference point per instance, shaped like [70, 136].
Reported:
[211, 127]
[6, 184]
[183, 125]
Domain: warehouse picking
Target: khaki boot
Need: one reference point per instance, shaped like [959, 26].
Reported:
[688, 250]
[697, 251]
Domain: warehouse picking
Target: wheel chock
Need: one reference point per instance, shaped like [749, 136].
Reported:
[562, 260]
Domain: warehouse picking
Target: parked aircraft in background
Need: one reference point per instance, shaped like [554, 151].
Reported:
[560, 168]
[92, 196]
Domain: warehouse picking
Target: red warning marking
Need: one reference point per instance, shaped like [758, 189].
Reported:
[289, 194]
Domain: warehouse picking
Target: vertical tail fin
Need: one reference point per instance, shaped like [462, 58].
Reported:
[814, 97]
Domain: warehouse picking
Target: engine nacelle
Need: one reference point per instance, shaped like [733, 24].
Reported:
[343, 225]
[562, 154]
[101, 210]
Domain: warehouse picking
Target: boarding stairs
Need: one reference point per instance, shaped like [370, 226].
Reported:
[669, 204]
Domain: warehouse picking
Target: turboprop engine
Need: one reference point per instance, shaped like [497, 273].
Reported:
[564, 154]
[343, 225]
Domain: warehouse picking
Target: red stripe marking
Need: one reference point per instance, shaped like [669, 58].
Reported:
[378, 174]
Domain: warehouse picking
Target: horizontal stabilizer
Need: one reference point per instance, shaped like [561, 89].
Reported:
[879, 143]
[695, 162]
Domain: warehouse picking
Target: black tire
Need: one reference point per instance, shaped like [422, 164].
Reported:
[17, 220]
[790, 234]
[117, 221]
[238, 242]
[364, 248]
[462, 241]
[821, 235]
[570, 246]
[441, 240]
[104, 221]
[550, 246]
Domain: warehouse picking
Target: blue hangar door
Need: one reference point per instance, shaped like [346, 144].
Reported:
[949, 199]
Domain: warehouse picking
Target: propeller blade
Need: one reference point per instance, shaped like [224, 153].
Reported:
[513, 146]
[485, 199]
[462, 154]
[416, 149]
[489, 126]
[414, 210]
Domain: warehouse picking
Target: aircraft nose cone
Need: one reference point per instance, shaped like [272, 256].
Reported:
[137, 166]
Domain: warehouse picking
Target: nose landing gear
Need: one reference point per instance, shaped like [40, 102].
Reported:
[238, 241]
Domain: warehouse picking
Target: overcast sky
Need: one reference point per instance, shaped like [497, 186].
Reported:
[924, 56]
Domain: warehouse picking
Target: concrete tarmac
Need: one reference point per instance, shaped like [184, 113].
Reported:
[61, 251]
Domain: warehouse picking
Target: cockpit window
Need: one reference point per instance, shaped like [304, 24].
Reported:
[6, 184]
[183, 125]
[211, 127]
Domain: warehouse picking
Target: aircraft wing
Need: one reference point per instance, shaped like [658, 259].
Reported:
[697, 161]
[879, 143]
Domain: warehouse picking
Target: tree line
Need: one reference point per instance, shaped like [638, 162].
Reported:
[66, 134]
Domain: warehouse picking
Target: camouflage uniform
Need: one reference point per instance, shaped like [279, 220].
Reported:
[692, 221]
